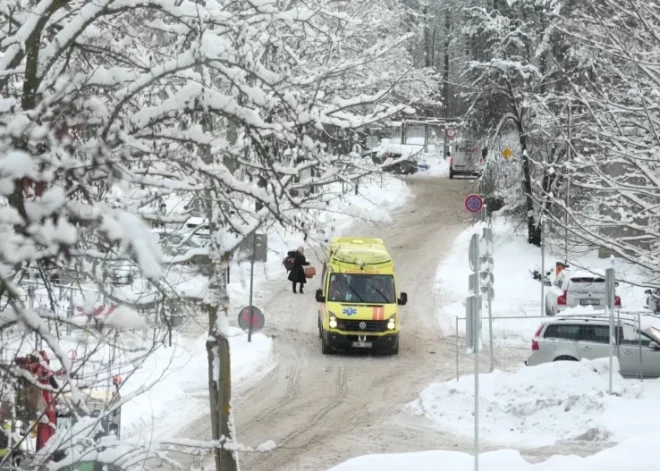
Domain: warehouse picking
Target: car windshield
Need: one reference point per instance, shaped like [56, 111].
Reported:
[345, 288]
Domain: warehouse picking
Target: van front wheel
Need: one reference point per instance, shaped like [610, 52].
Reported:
[325, 348]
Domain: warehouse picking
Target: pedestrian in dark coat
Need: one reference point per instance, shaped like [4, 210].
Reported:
[297, 273]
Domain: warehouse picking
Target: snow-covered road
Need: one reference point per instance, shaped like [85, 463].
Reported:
[322, 410]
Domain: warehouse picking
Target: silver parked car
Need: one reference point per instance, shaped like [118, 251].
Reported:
[577, 338]
[576, 288]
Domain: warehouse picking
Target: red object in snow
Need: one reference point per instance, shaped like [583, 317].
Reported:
[101, 310]
[47, 405]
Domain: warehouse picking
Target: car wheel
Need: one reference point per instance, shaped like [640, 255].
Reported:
[565, 358]
[395, 350]
[325, 348]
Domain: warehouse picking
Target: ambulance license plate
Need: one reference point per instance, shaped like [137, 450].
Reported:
[362, 344]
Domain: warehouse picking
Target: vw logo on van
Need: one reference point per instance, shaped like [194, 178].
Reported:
[363, 325]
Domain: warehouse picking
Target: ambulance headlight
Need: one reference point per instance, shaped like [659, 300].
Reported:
[391, 324]
[333, 321]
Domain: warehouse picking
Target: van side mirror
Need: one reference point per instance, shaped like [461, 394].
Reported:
[319, 296]
[403, 300]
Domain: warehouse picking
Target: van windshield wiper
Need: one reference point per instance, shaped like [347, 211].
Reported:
[355, 292]
[387, 300]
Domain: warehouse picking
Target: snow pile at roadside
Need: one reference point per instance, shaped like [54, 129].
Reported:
[633, 455]
[437, 165]
[517, 294]
[542, 405]
[179, 375]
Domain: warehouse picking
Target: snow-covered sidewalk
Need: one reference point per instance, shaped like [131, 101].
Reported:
[180, 374]
[633, 455]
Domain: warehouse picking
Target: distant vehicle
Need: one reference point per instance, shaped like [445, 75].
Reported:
[358, 306]
[653, 300]
[466, 160]
[199, 227]
[175, 243]
[393, 162]
[577, 338]
[576, 288]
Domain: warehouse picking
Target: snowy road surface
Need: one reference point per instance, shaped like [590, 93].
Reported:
[322, 410]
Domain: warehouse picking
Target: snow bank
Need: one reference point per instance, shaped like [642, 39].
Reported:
[437, 166]
[541, 405]
[633, 455]
[180, 374]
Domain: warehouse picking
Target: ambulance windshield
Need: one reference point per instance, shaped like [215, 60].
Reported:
[358, 288]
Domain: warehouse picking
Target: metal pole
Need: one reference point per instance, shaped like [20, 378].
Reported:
[254, 252]
[639, 341]
[543, 312]
[610, 307]
[490, 306]
[490, 332]
[457, 366]
[476, 392]
[619, 333]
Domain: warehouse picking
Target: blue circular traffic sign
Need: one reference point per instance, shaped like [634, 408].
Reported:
[474, 203]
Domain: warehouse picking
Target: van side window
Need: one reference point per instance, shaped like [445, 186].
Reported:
[562, 332]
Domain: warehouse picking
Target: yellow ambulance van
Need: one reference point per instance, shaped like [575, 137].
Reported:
[358, 305]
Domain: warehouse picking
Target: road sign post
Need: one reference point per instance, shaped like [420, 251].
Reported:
[473, 324]
[250, 318]
[256, 246]
[473, 203]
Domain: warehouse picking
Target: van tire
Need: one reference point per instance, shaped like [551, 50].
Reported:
[318, 321]
[395, 350]
[325, 348]
[565, 358]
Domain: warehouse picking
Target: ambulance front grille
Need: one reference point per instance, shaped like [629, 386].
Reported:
[354, 325]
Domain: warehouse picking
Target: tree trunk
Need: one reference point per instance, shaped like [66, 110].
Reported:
[428, 59]
[533, 235]
[445, 90]
[219, 361]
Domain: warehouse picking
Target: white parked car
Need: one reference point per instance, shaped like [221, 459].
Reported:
[576, 288]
